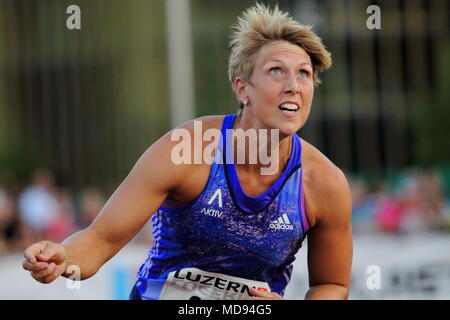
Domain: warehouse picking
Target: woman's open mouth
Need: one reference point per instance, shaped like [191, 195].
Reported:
[289, 109]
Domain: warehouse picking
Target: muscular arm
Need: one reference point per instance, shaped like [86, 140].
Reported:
[127, 210]
[330, 240]
[153, 178]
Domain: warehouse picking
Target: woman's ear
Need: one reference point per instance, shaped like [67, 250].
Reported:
[240, 86]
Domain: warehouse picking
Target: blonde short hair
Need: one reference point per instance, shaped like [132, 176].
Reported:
[258, 26]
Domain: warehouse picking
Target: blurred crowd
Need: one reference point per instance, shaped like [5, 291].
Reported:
[415, 201]
[43, 210]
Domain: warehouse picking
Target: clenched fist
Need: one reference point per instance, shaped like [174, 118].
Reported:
[45, 260]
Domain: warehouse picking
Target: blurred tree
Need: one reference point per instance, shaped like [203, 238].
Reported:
[16, 161]
[430, 119]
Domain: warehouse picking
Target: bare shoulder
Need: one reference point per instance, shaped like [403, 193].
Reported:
[327, 193]
[184, 178]
[170, 139]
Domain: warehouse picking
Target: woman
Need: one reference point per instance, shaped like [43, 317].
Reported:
[224, 230]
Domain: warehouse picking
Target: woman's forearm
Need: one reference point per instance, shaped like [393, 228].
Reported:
[327, 292]
[86, 252]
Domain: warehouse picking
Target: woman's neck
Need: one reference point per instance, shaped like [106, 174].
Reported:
[255, 147]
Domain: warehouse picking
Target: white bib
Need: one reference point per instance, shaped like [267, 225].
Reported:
[195, 284]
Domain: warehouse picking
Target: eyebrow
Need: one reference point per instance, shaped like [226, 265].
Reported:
[276, 60]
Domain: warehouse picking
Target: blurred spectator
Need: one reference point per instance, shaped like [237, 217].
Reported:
[63, 224]
[38, 206]
[432, 198]
[407, 196]
[6, 219]
[363, 206]
[388, 215]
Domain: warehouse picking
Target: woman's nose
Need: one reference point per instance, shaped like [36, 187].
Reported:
[291, 85]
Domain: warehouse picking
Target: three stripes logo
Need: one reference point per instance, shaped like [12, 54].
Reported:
[282, 223]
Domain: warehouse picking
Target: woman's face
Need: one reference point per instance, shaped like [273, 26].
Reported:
[281, 89]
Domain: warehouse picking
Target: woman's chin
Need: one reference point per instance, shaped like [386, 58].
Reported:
[285, 128]
[289, 129]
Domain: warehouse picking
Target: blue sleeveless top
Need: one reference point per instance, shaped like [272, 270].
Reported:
[226, 231]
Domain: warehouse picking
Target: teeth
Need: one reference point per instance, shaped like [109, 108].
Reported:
[289, 106]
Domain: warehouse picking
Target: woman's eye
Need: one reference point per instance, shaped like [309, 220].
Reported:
[275, 71]
[303, 74]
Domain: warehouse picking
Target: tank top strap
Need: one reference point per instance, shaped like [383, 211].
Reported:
[242, 201]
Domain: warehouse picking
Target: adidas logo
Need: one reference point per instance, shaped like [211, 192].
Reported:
[282, 223]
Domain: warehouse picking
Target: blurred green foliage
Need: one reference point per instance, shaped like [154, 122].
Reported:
[88, 103]
[16, 160]
[431, 118]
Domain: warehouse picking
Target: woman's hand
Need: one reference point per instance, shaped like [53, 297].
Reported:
[45, 260]
[264, 295]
